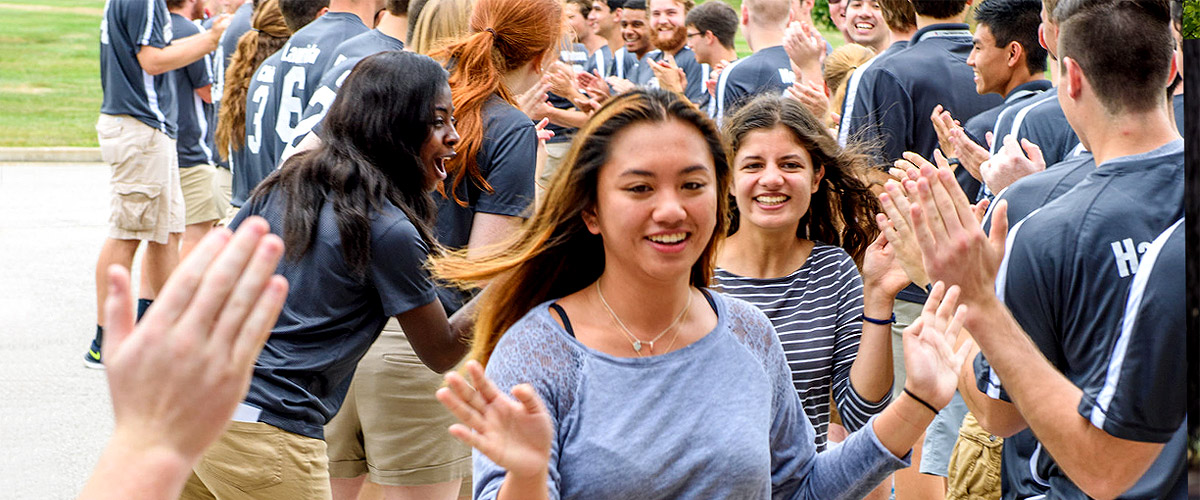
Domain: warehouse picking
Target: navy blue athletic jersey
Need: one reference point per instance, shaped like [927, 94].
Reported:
[306, 56]
[576, 56]
[256, 159]
[127, 26]
[239, 24]
[624, 66]
[1034, 191]
[1066, 276]
[1136, 396]
[768, 71]
[858, 95]
[601, 61]
[1044, 124]
[331, 316]
[907, 86]
[979, 125]
[686, 60]
[194, 144]
[347, 55]
[507, 161]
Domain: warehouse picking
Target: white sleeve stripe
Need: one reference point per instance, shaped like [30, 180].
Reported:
[149, 22]
[1136, 291]
[1016, 125]
[851, 94]
[993, 385]
[722, 82]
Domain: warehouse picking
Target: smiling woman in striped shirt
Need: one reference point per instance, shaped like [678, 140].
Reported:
[802, 221]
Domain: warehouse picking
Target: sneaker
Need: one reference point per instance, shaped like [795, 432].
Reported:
[92, 358]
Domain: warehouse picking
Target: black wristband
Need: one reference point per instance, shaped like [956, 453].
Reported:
[922, 401]
[880, 321]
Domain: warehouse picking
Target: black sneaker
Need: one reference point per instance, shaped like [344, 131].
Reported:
[92, 358]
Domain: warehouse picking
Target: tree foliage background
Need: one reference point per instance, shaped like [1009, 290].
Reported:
[1191, 19]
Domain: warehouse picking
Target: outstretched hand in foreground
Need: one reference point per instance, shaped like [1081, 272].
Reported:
[178, 374]
[516, 434]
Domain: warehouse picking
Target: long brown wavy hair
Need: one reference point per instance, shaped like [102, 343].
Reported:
[504, 35]
[268, 35]
[553, 254]
[842, 212]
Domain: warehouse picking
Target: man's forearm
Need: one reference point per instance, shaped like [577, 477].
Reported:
[179, 53]
[1049, 403]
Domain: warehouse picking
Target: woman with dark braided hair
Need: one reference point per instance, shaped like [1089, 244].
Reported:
[800, 222]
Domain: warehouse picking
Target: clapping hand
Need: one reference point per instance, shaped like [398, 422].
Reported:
[931, 362]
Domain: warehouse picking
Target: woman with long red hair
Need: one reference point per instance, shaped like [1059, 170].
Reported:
[490, 183]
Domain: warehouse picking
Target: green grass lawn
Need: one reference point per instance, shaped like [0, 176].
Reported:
[50, 71]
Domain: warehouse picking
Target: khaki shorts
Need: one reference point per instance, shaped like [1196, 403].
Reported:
[253, 460]
[202, 197]
[975, 464]
[391, 427]
[906, 312]
[225, 190]
[147, 201]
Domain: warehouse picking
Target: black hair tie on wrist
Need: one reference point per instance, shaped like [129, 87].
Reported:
[922, 401]
[880, 321]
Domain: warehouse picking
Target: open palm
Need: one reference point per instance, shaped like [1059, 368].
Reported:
[930, 359]
[516, 434]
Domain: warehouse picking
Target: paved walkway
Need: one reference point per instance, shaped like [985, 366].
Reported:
[56, 413]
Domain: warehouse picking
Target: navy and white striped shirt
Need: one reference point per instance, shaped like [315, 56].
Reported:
[816, 311]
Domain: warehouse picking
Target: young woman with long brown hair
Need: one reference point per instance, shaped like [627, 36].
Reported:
[631, 379]
[490, 184]
[802, 218]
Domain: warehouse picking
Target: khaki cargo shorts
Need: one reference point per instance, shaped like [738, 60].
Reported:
[253, 460]
[391, 427]
[147, 201]
[975, 464]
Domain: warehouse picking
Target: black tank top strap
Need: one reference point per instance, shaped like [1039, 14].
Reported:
[711, 302]
[563, 314]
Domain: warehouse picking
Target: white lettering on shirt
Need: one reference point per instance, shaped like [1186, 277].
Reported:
[302, 55]
[1126, 254]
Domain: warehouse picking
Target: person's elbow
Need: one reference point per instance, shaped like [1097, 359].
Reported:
[1102, 483]
[152, 62]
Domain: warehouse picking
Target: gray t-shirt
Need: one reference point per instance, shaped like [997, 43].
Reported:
[767, 71]
[507, 161]
[195, 142]
[817, 313]
[716, 419]
[331, 317]
[127, 26]
[685, 58]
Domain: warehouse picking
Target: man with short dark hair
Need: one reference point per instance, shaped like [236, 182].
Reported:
[711, 27]
[1008, 60]
[635, 33]
[307, 55]
[137, 131]
[865, 25]
[605, 21]
[1092, 394]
